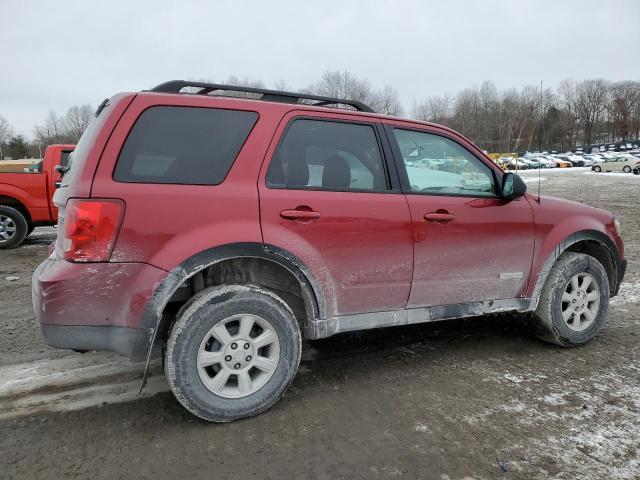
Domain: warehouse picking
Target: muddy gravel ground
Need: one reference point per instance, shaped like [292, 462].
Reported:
[476, 398]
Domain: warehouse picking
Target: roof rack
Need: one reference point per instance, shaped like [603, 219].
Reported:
[176, 86]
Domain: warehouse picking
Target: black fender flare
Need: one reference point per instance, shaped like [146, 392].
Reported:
[312, 293]
[564, 245]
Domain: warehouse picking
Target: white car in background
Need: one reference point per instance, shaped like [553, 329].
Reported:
[545, 160]
[618, 164]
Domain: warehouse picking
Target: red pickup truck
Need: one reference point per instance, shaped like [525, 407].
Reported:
[25, 197]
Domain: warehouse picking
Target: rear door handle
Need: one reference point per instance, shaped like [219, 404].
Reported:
[300, 214]
[439, 217]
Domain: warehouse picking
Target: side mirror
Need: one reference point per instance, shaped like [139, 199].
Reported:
[61, 169]
[512, 186]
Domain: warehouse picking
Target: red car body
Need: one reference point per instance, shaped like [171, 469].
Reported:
[32, 192]
[360, 260]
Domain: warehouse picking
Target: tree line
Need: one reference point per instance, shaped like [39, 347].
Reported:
[575, 114]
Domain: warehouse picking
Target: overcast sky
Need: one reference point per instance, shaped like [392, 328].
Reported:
[54, 54]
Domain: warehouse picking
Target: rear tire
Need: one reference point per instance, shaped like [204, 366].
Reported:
[574, 301]
[597, 169]
[232, 352]
[626, 169]
[13, 227]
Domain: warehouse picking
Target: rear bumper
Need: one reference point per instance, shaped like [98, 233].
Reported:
[94, 306]
[131, 342]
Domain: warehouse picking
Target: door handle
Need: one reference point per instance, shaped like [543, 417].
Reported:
[300, 214]
[439, 217]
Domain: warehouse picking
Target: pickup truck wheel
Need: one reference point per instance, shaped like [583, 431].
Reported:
[574, 301]
[232, 352]
[13, 227]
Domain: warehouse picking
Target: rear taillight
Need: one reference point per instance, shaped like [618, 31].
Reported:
[90, 229]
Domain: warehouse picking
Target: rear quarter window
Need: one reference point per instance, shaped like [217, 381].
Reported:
[183, 145]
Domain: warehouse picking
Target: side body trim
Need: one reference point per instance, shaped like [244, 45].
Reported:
[325, 328]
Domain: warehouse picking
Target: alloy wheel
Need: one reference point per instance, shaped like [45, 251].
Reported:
[238, 356]
[7, 228]
[580, 301]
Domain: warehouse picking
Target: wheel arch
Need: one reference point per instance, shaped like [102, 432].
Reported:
[590, 242]
[9, 201]
[231, 257]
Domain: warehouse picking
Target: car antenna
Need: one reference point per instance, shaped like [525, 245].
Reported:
[540, 142]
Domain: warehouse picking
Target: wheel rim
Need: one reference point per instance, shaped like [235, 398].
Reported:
[580, 301]
[626, 169]
[238, 356]
[7, 228]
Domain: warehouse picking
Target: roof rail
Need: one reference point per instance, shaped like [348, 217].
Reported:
[176, 86]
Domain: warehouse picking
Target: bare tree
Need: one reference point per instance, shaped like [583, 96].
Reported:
[338, 84]
[591, 96]
[6, 132]
[67, 128]
[434, 109]
[387, 101]
[620, 105]
[76, 120]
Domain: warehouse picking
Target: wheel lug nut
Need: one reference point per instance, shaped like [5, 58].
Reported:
[236, 366]
[248, 359]
[246, 346]
[228, 358]
[234, 346]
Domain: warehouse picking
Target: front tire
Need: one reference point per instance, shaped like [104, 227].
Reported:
[232, 352]
[13, 227]
[574, 301]
[626, 169]
[597, 169]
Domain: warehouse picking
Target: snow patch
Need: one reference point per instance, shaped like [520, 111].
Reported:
[629, 293]
[422, 427]
[555, 399]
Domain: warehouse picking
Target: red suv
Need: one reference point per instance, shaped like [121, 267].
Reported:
[228, 228]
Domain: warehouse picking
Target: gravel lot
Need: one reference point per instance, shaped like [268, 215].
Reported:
[476, 398]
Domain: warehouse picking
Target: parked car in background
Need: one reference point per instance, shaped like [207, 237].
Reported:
[530, 162]
[26, 196]
[517, 164]
[617, 164]
[592, 158]
[574, 160]
[546, 161]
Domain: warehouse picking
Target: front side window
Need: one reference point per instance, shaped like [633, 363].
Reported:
[183, 145]
[327, 155]
[438, 165]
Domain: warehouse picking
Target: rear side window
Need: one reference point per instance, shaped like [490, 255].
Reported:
[328, 155]
[183, 145]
